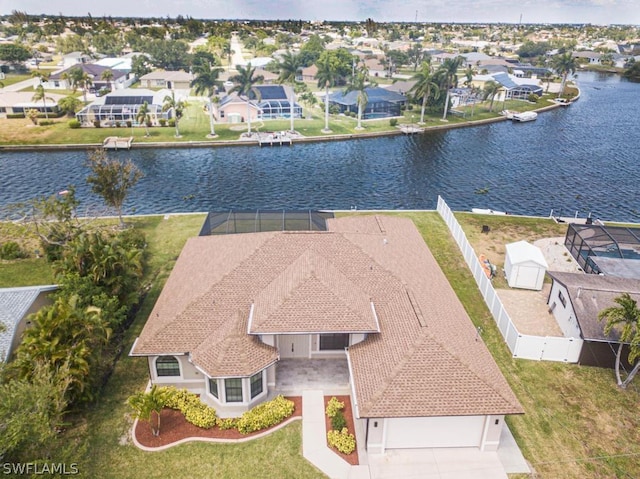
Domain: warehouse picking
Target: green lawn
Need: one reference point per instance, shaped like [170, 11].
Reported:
[577, 423]
[11, 78]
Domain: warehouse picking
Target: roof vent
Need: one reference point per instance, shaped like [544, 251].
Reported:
[416, 308]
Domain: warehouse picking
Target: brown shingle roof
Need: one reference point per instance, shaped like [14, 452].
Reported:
[591, 293]
[426, 360]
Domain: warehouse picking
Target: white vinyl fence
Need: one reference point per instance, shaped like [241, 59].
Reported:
[521, 345]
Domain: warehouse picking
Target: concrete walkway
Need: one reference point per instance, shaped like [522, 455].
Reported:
[314, 441]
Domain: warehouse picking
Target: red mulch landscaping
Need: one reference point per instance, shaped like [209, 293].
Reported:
[348, 415]
[174, 427]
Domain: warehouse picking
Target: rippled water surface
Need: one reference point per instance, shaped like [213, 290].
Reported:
[583, 158]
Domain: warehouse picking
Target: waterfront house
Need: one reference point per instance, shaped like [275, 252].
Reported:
[121, 106]
[382, 103]
[240, 312]
[18, 103]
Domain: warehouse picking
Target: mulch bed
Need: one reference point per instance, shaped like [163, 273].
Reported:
[348, 415]
[174, 427]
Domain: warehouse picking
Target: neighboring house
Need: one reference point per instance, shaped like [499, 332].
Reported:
[367, 292]
[18, 103]
[576, 299]
[233, 109]
[173, 80]
[376, 68]
[274, 101]
[16, 304]
[58, 80]
[123, 105]
[592, 58]
[402, 86]
[513, 88]
[120, 64]
[382, 103]
[74, 58]
[307, 74]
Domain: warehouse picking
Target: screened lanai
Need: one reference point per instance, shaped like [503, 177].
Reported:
[588, 242]
[122, 106]
[271, 109]
[232, 222]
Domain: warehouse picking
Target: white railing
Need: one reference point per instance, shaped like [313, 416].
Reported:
[523, 346]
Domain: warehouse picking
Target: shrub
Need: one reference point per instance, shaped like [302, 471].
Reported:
[342, 441]
[46, 122]
[129, 123]
[73, 124]
[14, 116]
[393, 122]
[334, 407]
[172, 122]
[11, 250]
[162, 122]
[96, 123]
[265, 415]
[533, 98]
[227, 423]
[338, 422]
[189, 404]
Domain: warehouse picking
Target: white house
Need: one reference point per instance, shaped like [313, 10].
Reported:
[367, 292]
[524, 266]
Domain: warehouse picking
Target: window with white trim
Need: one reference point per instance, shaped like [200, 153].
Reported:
[256, 384]
[213, 387]
[334, 342]
[167, 366]
[233, 389]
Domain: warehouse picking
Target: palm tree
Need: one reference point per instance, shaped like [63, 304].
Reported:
[424, 87]
[85, 82]
[107, 76]
[547, 78]
[359, 83]
[626, 316]
[147, 403]
[288, 67]
[40, 94]
[228, 52]
[564, 65]
[143, 116]
[449, 71]
[178, 106]
[490, 90]
[327, 76]
[244, 84]
[206, 81]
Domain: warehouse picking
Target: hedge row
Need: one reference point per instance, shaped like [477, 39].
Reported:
[195, 411]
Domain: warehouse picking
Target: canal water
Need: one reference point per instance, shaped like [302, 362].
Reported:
[583, 159]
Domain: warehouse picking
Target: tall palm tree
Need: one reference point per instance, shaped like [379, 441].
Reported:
[144, 116]
[490, 90]
[359, 84]
[40, 94]
[424, 86]
[449, 71]
[178, 106]
[288, 67]
[564, 65]
[244, 84]
[107, 76]
[205, 82]
[327, 76]
[84, 82]
[626, 319]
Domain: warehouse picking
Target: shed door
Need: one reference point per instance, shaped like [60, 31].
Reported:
[422, 432]
[527, 277]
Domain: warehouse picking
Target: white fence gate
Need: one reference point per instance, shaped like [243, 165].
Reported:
[523, 346]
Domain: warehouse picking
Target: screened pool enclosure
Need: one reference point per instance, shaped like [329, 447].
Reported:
[587, 243]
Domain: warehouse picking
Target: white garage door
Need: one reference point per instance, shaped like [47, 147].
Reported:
[457, 431]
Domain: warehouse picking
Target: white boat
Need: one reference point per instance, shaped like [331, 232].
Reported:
[484, 211]
[508, 114]
[525, 116]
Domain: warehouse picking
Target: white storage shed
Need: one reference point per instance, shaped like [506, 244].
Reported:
[525, 266]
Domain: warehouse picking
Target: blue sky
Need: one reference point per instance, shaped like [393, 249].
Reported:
[532, 11]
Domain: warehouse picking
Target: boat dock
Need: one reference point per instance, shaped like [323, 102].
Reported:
[274, 139]
[411, 129]
[117, 143]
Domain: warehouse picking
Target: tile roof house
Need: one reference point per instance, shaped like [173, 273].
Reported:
[381, 102]
[576, 299]
[16, 304]
[167, 79]
[367, 291]
[121, 79]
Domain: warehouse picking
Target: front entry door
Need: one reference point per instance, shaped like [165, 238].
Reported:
[293, 345]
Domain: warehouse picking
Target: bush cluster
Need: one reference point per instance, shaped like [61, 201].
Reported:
[334, 407]
[393, 122]
[73, 124]
[338, 422]
[189, 404]
[227, 423]
[265, 415]
[11, 250]
[342, 440]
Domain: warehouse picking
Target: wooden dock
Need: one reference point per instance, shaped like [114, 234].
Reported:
[274, 139]
[117, 143]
